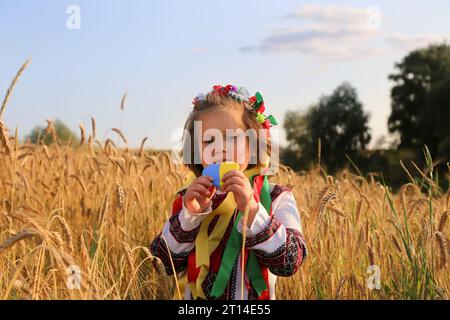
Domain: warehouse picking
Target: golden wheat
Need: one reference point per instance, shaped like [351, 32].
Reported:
[110, 203]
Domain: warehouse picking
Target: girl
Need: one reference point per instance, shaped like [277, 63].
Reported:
[202, 239]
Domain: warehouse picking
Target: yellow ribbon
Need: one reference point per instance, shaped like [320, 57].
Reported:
[204, 244]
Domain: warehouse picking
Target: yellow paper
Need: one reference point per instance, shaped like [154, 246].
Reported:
[225, 167]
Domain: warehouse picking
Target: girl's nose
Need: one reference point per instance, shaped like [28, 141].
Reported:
[226, 157]
[228, 150]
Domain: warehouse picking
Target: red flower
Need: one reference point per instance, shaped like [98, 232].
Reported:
[223, 91]
[261, 108]
[218, 89]
[266, 124]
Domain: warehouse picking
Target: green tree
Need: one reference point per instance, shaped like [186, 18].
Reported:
[340, 123]
[46, 135]
[421, 101]
[299, 153]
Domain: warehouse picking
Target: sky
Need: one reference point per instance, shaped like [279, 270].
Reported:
[87, 54]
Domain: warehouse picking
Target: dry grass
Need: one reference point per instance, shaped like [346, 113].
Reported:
[97, 208]
[59, 198]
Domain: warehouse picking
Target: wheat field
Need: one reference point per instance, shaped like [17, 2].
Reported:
[94, 209]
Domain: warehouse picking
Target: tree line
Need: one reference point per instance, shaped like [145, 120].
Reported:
[334, 131]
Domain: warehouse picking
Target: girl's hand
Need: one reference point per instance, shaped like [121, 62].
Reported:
[198, 195]
[236, 182]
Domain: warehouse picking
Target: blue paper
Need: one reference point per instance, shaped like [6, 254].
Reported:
[213, 170]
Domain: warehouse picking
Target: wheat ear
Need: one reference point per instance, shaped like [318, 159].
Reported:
[11, 86]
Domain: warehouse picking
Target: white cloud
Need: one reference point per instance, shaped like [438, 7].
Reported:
[338, 32]
[323, 31]
[332, 14]
[408, 42]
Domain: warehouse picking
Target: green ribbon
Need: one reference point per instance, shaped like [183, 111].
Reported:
[259, 101]
[233, 248]
[260, 117]
[272, 120]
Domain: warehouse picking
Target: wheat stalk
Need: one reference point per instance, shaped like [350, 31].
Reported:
[122, 108]
[120, 196]
[83, 134]
[12, 85]
[442, 247]
[371, 255]
[141, 149]
[94, 131]
[50, 129]
[11, 241]
[4, 139]
[122, 136]
[56, 237]
[442, 221]
[122, 102]
[67, 232]
[129, 256]
[84, 252]
[78, 179]
[339, 288]
[173, 268]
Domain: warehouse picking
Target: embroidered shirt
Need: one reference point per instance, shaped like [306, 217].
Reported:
[277, 241]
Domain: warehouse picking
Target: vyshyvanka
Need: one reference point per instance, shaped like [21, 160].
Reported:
[205, 248]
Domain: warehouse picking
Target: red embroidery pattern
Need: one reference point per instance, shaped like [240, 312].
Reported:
[180, 235]
[264, 235]
[284, 261]
[158, 248]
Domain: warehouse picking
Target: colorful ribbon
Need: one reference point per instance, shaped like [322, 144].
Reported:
[206, 254]
[234, 244]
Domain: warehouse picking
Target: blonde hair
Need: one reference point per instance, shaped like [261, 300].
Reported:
[214, 101]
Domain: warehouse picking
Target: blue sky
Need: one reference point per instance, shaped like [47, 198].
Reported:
[162, 53]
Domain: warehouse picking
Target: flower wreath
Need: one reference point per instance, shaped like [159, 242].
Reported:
[241, 94]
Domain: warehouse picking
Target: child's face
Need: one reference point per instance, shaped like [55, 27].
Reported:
[234, 145]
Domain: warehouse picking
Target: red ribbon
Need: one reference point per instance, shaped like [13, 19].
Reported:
[216, 257]
[261, 108]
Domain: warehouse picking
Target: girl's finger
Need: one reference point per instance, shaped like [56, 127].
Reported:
[232, 173]
[212, 190]
[194, 195]
[204, 180]
[200, 189]
[233, 188]
[234, 181]
[235, 176]
[204, 201]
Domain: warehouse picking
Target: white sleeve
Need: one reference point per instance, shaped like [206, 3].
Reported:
[181, 229]
[190, 220]
[268, 234]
